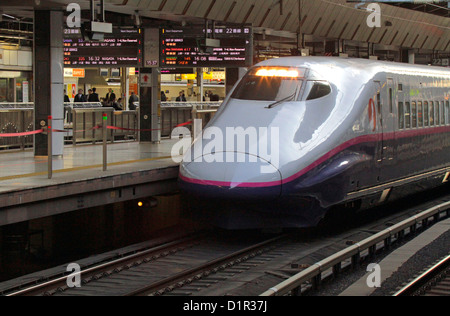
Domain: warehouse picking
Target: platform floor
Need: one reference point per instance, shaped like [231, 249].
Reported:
[21, 170]
[399, 267]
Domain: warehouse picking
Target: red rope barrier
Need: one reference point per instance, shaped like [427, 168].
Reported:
[91, 129]
[22, 134]
[184, 124]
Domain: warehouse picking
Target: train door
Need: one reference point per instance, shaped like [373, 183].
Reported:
[390, 119]
[385, 107]
[379, 123]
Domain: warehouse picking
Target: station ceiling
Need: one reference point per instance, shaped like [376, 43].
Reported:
[407, 25]
[441, 8]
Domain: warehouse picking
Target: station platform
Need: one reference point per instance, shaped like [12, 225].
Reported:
[407, 262]
[134, 171]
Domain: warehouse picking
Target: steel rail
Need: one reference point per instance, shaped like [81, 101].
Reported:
[102, 267]
[162, 284]
[314, 273]
[424, 278]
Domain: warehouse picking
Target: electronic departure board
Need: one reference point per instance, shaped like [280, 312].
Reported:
[177, 71]
[121, 48]
[185, 47]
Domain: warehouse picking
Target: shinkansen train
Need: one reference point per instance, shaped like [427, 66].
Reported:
[298, 136]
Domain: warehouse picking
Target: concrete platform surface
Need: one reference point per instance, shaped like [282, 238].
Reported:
[23, 165]
[79, 181]
[423, 246]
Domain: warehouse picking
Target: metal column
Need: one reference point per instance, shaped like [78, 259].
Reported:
[411, 56]
[49, 71]
[150, 105]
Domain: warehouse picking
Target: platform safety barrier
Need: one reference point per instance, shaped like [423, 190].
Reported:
[175, 113]
[106, 130]
[16, 118]
[81, 120]
[81, 117]
[84, 122]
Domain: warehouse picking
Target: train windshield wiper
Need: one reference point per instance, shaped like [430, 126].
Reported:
[287, 99]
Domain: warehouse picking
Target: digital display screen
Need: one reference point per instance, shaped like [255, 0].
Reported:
[121, 48]
[177, 71]
[184, 47]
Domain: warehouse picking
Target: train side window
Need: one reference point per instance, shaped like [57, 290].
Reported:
[401, 116]
[426, 114]
[414, 115]
[431, 113]
[420, 113]
[438, 113]
[442, 113]
[379, 102]
[447, 106]
[391, 100]
[318, 90]
[408, 115]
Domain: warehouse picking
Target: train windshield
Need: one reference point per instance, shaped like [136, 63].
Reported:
[270, 84]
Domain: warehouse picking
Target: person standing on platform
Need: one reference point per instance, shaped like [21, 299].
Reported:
[80, 97]
[214, 97]
[133, 98]
[66, 97]
[181, 98]
[94, 96]
[115, 105]
[110, 96]
[88, 96]
[163, 97]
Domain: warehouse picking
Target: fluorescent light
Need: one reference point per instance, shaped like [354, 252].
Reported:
[10, 16]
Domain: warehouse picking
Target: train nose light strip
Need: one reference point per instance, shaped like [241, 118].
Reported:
[277, 72]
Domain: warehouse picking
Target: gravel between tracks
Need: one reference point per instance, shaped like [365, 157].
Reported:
[421, 261]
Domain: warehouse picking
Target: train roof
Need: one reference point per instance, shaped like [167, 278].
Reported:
[366, 65]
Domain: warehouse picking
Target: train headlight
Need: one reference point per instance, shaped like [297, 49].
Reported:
[278, 72]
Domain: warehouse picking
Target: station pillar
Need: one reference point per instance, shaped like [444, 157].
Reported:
[150, 105]
[200, 85]
[49, 79]
[411, 57]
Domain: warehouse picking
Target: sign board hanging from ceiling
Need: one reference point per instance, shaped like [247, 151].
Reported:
[121, 48]
[74, 73]
[187, 47]
[151, 48]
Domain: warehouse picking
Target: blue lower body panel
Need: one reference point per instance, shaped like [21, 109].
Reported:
[249, 208]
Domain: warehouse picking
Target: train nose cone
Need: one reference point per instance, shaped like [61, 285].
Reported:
[245, 177]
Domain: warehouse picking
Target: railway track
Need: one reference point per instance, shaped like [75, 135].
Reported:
[232, 264]
[301, 253]
[326, 273]
[54, 285]
[434, 282]
[155, 271]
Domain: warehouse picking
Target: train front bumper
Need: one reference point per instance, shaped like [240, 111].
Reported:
[247, 177]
